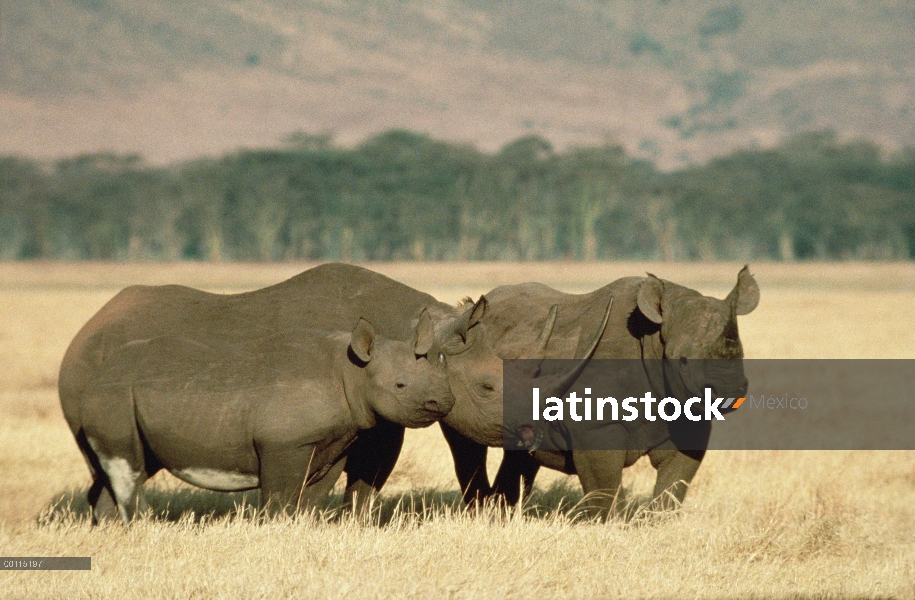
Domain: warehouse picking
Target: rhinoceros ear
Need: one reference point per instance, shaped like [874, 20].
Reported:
[424, 334]
[745, 295]
[471, 317]
[476, 313]
[649, 301]
[363, 339]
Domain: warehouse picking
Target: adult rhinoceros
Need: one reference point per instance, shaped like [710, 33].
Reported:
[275, 412]
[652, 319]
[327, 297]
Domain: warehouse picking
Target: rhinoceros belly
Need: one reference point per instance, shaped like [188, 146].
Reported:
[203, 439]
[217, 479]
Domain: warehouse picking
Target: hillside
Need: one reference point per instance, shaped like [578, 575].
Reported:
[673, 80]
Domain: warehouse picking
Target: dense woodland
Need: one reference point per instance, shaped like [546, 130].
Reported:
[405, 196]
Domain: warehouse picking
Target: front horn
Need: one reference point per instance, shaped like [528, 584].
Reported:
[557, 385]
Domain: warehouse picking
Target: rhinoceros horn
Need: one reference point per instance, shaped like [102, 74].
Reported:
[539, 351]
[557, 385]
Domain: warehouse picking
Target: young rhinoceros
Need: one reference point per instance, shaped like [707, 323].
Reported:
[276, 414]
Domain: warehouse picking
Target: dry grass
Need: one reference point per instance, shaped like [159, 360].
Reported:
[761, 524]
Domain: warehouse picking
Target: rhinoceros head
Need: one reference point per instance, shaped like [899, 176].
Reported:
[699, 335]
[404, 386]
[476, 374]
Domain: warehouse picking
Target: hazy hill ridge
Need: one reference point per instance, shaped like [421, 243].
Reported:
[672, 80]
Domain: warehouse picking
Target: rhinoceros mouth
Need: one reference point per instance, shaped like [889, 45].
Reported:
[529, 438]
[435, 409]
[428, 414]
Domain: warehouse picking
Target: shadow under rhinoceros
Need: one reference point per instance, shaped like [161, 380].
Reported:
[170, 505]
[200, 506]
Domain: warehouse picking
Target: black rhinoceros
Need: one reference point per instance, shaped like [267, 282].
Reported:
[652, 319]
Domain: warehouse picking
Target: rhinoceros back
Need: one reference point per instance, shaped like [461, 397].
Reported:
[328, 297]
[516, 315]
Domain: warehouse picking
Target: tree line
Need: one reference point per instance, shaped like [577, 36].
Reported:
[405, 196]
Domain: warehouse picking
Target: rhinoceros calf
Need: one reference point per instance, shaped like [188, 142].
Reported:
[275, 413]
[652, 319]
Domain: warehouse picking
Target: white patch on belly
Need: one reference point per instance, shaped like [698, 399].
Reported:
[214, 479]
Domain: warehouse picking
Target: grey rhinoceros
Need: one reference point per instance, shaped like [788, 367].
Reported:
[274, 413]
[652, 319]
[328, 297]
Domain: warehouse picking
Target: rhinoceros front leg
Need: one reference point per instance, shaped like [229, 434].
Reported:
[316, 493]
[677, 461]
[676, 470]
[469, 465]
[370, 460]
[601, 474]
[282, 476]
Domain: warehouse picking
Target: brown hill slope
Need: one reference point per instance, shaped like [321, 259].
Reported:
[672, 80]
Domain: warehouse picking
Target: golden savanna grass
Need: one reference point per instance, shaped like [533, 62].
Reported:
[755, 524]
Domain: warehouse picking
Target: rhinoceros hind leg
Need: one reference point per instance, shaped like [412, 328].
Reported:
[102, 502]
[125, 481]
[517, 466]
[116, 489]
[99, 496]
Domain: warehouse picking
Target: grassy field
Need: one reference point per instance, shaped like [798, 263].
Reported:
[755, 524]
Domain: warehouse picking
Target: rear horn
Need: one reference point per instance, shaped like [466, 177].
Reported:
[539, 351]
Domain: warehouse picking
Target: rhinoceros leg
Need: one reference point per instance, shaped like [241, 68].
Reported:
[282, 476]
[469, 465]
[99, 496]
[112, 445]
[677, 461]
[369, 462]
[102, 502]
[601, 474]
[117, 489]
[676, 470]
[316, 494]
[517, 466]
